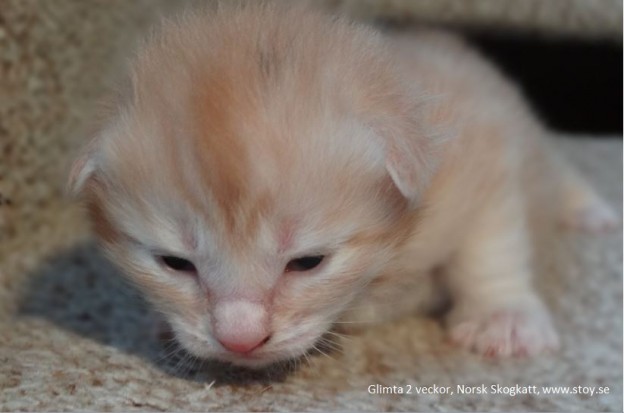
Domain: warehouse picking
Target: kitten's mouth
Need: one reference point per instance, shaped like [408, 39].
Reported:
[251, 361]
[264, 357]
[289, 351]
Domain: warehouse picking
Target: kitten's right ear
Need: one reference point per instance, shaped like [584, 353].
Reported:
[82, 171]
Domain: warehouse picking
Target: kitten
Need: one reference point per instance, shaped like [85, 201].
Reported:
[273, 171]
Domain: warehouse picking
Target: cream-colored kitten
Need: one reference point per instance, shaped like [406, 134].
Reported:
[273, 171]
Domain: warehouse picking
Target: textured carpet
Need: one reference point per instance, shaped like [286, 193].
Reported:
[74, 336]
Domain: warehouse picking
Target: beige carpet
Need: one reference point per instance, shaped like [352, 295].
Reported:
[73, 336]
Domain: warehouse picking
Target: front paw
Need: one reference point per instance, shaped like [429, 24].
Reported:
[594, 218]
[505, 332]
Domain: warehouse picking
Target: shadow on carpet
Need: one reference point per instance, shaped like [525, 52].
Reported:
[79, 290]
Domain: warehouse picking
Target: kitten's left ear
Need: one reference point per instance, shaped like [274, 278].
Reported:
[411, 148]
[410, 162]
[83, 170]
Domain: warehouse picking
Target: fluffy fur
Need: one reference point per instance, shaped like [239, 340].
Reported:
[252, 136]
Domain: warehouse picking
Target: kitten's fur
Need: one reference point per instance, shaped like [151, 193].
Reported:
[255, 135]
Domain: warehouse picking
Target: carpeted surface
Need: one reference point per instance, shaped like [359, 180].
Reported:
[74, 336]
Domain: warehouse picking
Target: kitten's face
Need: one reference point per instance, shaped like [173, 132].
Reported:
[250, 254]
[253, 197]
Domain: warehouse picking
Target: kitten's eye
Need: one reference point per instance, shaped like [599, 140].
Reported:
[177, 263]
[304, 263]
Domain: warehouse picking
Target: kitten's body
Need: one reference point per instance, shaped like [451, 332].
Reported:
[257, 136]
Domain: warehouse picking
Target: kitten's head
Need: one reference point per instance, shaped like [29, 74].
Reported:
[257, 178]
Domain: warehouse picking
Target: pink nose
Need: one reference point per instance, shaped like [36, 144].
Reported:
[241, 326]
[243, 346]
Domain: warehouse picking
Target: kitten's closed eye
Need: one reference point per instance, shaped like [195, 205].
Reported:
[304, 263]
[177, 263]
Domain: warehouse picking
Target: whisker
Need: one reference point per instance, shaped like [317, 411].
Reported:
[323, 353]
[330, 345]
[182, 362]
[307, 357]
[171, 349]
[173, 356]
[195, 362]
[190, 363]
[340, 336]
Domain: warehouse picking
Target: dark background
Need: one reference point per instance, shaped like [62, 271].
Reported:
[573, 85]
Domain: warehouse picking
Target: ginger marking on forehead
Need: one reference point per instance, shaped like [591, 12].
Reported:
[223, 157]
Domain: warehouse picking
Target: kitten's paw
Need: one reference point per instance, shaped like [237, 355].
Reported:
[506, 333]
[594, 217]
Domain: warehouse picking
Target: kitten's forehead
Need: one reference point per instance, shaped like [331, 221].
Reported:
[243, 185]
[251, 133]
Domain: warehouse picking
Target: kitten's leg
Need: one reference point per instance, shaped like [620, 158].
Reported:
[496, 310]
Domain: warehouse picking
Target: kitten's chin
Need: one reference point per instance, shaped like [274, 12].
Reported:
[264, 358]
[252, 362]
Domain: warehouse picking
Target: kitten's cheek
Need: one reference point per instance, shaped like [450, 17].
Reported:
[195, 346]
[193, 339]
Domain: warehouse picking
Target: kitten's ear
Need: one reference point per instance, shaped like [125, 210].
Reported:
[82, 171]
[410, 162]
[411, 149]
